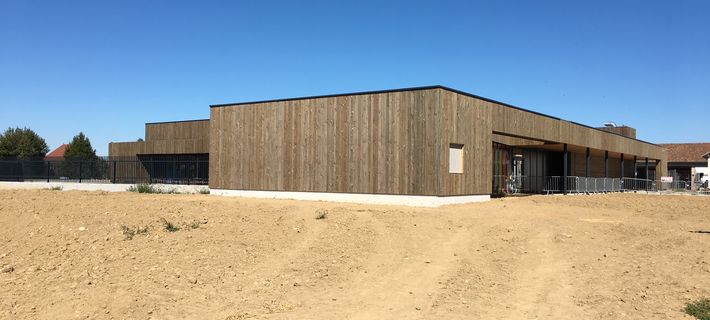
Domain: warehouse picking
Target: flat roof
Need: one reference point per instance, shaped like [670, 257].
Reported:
[178, 121]
[425, 88]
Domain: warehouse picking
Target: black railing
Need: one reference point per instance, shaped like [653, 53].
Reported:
[167, 169]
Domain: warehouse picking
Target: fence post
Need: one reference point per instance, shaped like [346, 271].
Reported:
[80, 171]
[114, 171]
[47, 171]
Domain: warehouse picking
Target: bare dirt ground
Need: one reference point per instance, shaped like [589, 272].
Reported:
[628, 256]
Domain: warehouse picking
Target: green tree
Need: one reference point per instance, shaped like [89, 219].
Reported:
[80, 148]
[80, 159]
[22, 144]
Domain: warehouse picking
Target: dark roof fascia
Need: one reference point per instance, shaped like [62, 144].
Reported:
[328, 96]
[178, 121]
[427, 88]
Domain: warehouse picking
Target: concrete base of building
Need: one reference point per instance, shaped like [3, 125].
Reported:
[109, 187]
[404, 200]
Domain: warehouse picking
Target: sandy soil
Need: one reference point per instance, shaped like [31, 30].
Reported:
[629, 256]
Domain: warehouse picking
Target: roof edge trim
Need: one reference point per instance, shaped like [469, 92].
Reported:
[177, 121]
[425, 88]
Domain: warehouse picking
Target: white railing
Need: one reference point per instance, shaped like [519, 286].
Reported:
[634, 184]
[576, 184]
[586, 185]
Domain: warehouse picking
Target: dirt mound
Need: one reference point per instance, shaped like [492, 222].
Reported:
[94, 255]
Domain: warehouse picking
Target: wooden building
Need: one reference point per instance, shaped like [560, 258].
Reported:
[172, 152]
[683, 157]
[426, 141]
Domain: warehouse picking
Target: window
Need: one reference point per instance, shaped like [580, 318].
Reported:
[455, 158]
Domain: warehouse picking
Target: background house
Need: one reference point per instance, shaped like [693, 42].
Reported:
[58, 153]
[683, 157]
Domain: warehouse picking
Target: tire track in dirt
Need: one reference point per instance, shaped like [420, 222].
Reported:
[397, 283]
[259, 277]
[543, 290]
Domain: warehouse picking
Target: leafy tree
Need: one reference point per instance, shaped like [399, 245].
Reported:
[81, 159]
[80, 148]
[22, 144]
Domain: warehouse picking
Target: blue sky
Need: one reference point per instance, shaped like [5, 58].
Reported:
[107, 67]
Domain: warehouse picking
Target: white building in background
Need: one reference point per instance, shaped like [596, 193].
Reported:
[701, 175]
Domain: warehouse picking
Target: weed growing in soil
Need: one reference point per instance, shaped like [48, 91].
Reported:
[321, 214]
[129, 232]
[56, 188]
[699, 309]
[169, 226]
[144, 188]
[204, 191]
[195, 224]
[148, 188]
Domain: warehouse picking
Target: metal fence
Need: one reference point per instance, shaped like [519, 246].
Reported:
[597, 185]
[167, 170]
[576, 184]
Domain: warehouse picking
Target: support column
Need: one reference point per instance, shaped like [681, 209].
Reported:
[636, 172]
[621, 166]
[647, 174]
[606, 164]
[586, 164]
[564, 169]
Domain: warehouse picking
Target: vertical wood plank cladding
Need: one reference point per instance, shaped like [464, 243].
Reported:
[215, 154]
[390, 142]
[371, 143]
[522, 123]
[167, 138]
[197, 129]
[341, 147]
[130, 149]
[331, 104]
[465, 121]
[526, 124]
